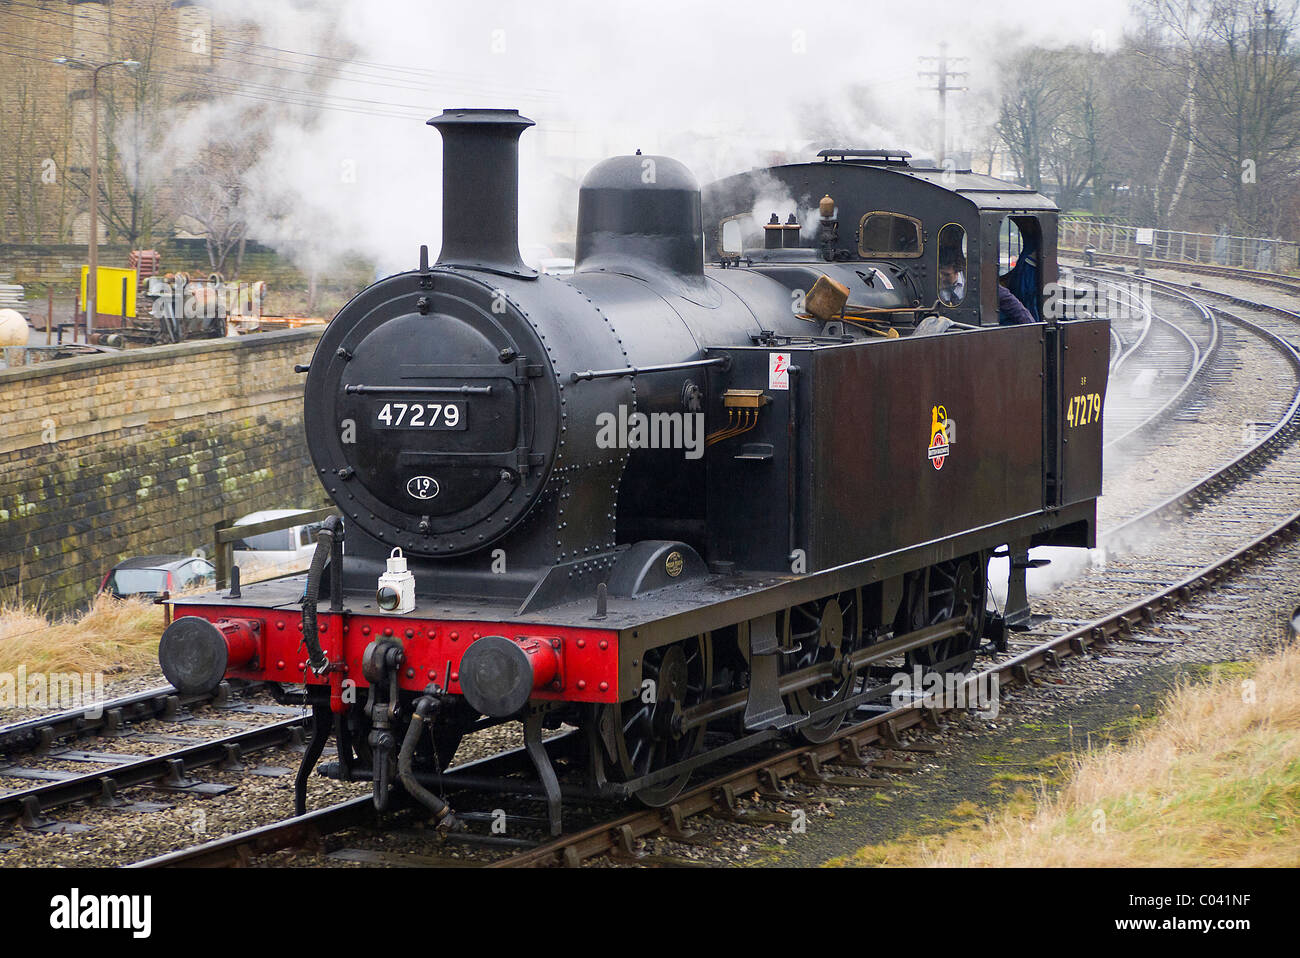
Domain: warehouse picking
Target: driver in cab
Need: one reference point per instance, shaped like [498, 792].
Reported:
[952, 282]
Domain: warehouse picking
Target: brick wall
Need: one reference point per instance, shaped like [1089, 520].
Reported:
[145, 451]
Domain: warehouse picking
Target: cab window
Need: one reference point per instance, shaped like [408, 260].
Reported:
[890, 234]
[1010, 243]
[731, 235]
[1020, 244]
[952, 267]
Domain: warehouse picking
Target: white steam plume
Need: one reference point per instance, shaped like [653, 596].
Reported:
[720, 87]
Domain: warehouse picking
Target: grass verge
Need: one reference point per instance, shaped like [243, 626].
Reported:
[1214, 781]
[112, 636]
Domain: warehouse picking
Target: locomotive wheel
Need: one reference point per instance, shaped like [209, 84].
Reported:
[954, 588]
[823, 632]
[643, 735]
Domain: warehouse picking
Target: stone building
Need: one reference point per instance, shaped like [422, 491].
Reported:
[45, 112]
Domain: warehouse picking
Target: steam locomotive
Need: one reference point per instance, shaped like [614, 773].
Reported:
[681, 508]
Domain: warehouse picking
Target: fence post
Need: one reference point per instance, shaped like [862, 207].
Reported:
[221, 558]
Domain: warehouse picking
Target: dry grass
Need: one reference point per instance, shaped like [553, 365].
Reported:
[114, 635]
[1215, 781]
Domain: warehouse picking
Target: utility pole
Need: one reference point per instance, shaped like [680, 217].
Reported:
[92, 280]
[942, 74]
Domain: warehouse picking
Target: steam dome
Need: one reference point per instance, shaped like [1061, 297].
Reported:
[641, 215]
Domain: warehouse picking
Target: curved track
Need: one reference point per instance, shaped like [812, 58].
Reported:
[1139, 399]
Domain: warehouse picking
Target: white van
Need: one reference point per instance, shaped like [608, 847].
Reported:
[278, 552]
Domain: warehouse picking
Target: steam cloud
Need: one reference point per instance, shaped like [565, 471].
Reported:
[722, 88]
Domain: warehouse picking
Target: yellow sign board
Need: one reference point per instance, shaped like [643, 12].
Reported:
[108, 293]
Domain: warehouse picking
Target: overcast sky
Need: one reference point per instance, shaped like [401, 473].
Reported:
[715, 84]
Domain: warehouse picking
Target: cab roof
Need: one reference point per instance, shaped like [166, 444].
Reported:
[985, 192]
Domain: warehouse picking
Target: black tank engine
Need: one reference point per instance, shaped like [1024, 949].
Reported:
[658, 499]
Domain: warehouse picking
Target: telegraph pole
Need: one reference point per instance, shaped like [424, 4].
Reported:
[91, 305]
[942, 75]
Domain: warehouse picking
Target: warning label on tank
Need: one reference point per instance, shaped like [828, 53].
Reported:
[778, 370]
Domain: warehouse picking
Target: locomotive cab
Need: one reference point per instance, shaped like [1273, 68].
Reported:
[909, 221]
[919, 250]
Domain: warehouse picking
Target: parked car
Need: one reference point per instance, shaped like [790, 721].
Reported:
[279, 548]
[154, 575]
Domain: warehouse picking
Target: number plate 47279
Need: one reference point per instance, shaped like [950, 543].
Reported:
[421, 415]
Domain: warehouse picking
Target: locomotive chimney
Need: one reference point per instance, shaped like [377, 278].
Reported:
[480, 188]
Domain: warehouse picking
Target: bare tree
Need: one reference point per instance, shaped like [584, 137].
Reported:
[34, 178]
[1194, 122]
[1172, 43]
[977, 119]
[1033, 82]
[1076, 148]
[211, 192]
[1234, 141]
[1250, 78]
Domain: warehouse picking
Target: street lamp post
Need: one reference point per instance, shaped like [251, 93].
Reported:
[92, 280]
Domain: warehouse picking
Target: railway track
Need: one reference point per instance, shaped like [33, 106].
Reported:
[1187, 420]
[1276, 432]
[310, 830]
[103, 718]
[38, 751]
[1214, 498]
[1138, 399]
